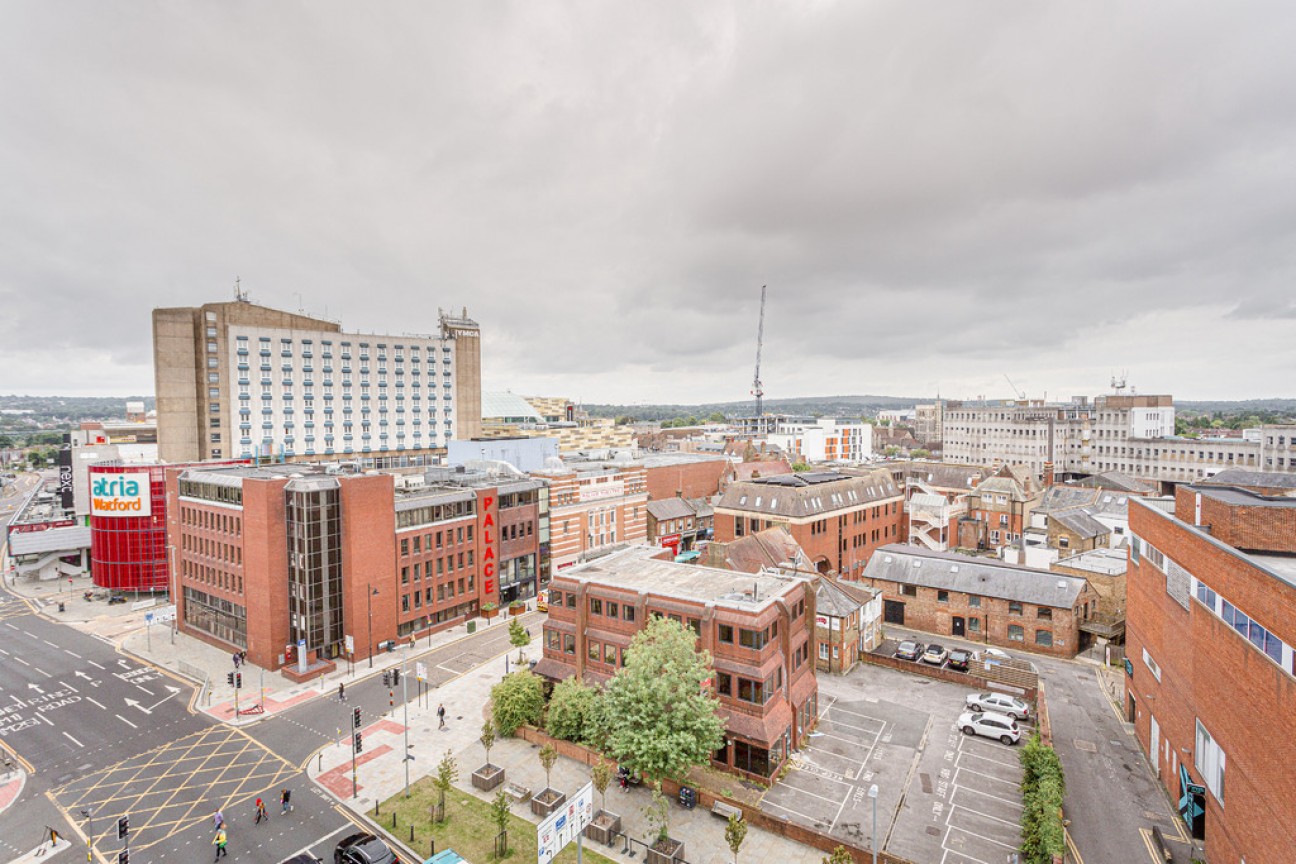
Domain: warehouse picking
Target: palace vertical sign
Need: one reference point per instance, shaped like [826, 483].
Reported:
[488, 545]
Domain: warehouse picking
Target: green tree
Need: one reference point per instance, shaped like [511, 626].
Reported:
[891, 450]
[487, 739]
[800, 466]
[601, 776]
[657, 717]
[517, 700]
[715, 417]
[447, 772]
[840, 855]
[657, 813]
[572, 711]
[548, 755]
[735, 834]
[500, 816]
[519, 638]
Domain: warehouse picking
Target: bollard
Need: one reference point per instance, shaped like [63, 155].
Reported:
[376, 808]
[411, 834]
[393, 820]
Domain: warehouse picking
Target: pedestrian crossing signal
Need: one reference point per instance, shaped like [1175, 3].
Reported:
[355, 719]
[387, 681]
[229, 678]
[123, 857]
[359, 743]
[123, 827]
[238, 680]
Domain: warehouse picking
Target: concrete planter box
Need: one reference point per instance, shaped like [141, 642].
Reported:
[604, 827]
[516, 610]
[547, 802]
[487, 777]
[666, 852]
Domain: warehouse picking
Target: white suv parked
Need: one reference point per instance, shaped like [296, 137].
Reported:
[990, 726]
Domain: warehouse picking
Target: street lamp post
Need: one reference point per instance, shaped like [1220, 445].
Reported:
[873, 793]
[369, 598]
[405, 709]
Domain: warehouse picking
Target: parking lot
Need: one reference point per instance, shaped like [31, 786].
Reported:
[942, 796]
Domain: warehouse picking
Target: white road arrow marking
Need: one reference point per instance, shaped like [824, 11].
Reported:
[80, 674]
[132, 703]
[36, 687]
[171, 691]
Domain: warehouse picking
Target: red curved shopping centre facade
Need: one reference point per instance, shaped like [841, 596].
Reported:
[128, 536]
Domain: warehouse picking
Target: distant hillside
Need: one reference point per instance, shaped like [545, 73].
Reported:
[1283, 407]
[67, 410]
[836, 406]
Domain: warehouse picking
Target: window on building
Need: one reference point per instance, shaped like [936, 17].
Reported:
[942, 596]
[1014, 607]
[724, 633]
[724, 684]
[1016, 633]
[1044, 637]
[753, 638]
[908, 590]
[628, 612]
[823, 650]
[1152, 665]
[1208, 759]
[1044, 613]
[974, 601]
[569, 643]
[592, 650]
[612, 610]
[974, 625]
[596, 606]
[571, 600]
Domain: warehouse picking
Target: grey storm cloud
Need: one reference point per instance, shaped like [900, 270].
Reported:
[935, 195]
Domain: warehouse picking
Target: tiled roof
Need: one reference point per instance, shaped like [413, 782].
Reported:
[670, 508]
[1080, 523]
[1243, 477]
[809, 493]
[985, 577]
[1066, 497]
[832, 598]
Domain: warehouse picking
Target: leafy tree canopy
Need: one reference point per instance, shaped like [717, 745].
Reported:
[658, 718]
[517, 700]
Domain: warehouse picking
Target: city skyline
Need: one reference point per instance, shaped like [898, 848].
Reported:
[936, 199]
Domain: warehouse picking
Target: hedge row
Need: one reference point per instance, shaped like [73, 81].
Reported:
[1042, 789]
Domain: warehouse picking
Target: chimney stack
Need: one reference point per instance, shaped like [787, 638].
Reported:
[1048, 475]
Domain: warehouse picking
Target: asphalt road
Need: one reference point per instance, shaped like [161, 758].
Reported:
[297, 733]
[106, 733]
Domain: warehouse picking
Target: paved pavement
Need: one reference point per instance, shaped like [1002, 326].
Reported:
[941, 795]
[1112, 799]
[381, 772]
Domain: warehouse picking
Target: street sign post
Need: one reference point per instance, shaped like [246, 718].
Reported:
[564, 825]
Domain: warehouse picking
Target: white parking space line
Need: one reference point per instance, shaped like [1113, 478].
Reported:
[1016, 825]
[991, 754]
[841, 710]
[970, 791]
[801, 791]
[970, 755]
[809, 819]
[979, 837]
[962, 857]
[1014, 784]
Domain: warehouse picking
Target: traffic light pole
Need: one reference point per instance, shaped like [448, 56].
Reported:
[405, 708]
[355, 730]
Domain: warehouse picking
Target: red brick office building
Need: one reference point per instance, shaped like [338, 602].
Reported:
[838, 518]
[1211, 625]
[759, 629]
[263, 557]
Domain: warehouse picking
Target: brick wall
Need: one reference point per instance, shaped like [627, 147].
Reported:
[925, 612]
[1209, 672]
[691, 479]
[1267, 528]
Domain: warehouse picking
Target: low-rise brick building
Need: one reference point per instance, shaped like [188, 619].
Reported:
[595, 507]
[983, 599]
[263, 557]
[848, 622]
[1211, 684]
[837, 517]
[758, 629]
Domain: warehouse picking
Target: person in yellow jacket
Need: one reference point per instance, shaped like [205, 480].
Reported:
[219, 842]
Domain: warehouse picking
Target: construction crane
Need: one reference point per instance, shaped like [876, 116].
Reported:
[757, 390]
[1020, 394]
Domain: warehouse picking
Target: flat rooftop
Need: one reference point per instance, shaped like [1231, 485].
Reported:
[1109, 562]
[1282, 566]
[633, 569]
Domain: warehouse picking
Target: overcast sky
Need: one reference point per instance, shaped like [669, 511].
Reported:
[937, 194]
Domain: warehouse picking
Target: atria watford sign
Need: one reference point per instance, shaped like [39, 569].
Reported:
[120, 494]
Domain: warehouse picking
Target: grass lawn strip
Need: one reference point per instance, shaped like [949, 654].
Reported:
[468, 828]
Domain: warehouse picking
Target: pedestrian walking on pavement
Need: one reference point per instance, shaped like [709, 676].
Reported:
[219, 842]
[261, 812]
[218, 819]
[441, 715]
[237, 659]
[285, 801]
[341, 691]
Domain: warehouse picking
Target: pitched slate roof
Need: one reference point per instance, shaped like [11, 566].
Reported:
[1119, 481]
[834, 599]
[1245, 478]
[985, 577]
[1080, 523]
[1066, 497]
[809, 493]
[669, 508]
[769, 548]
